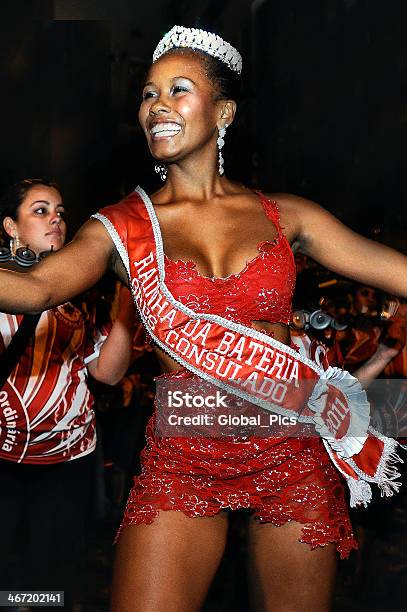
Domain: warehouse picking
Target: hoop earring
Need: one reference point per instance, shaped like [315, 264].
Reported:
[14, 244]
[220, 142]
[162, 171]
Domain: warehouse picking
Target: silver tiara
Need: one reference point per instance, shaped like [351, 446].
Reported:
[194, 38]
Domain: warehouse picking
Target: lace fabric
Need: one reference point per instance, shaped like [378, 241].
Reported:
[278, 479]
[263, 290]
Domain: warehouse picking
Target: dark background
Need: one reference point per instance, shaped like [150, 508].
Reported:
[324, 113]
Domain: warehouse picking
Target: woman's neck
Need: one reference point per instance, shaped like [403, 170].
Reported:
[195, 178]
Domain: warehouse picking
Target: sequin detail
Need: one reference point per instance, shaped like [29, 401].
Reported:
[278, 479]
[263, 290]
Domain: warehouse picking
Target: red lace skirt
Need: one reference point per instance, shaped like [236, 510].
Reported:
[278, 479]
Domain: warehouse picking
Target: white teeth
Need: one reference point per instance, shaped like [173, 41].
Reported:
[165, 129]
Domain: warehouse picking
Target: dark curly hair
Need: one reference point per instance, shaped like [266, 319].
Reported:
[14, 196]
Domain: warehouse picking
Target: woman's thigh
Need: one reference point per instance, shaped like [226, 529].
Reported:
[169, 564]
[286, 575]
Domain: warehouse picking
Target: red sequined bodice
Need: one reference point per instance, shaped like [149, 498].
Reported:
[279, 479]
[262, 291]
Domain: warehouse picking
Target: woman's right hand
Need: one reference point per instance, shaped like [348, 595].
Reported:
[61, 276]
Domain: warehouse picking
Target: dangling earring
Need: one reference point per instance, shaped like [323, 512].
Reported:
[162, 171]
[14, 245]
[220, 143]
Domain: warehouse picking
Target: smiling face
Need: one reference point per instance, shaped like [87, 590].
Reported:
[39, 223]
[179, 112]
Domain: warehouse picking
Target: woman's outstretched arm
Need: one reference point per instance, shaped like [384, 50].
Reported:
[324, 238]
[61, 276]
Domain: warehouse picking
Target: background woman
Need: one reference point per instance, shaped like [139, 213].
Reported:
[48, 429]
[227, 253]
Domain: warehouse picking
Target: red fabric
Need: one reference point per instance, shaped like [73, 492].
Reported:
[46, 411]
[262, 291]
[279, 479]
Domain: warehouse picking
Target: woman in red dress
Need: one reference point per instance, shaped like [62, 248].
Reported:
[227, 251]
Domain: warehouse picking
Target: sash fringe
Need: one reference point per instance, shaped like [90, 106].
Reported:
[360, 492]
[385, 478]
[389, 471]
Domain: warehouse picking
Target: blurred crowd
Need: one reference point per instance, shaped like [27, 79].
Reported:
[359, 329]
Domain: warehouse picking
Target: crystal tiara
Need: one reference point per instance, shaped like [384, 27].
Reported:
[194, 38]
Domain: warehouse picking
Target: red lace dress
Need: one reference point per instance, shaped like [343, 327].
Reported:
[278, 479]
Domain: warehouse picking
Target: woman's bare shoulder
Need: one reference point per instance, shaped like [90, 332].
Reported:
[95, 236]
[295, 210]
[291, 203]
[94, 230]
